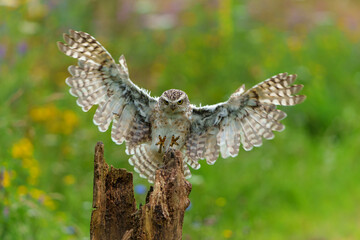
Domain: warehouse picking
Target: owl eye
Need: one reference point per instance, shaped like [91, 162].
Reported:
[166, 102]
[180, 102]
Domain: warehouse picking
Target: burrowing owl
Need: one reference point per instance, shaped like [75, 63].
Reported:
[152, 125]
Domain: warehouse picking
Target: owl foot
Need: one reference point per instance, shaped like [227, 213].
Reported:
[174, 140]
[116, 115]
[161, 143]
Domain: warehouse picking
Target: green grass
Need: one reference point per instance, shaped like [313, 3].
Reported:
[301, 185]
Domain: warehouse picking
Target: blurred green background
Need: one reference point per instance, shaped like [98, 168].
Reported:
[304, 184]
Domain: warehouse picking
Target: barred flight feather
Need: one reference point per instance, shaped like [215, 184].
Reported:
[144, 162]
[245, 119]
[98, 80]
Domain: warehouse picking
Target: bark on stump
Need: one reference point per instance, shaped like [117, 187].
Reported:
[115, 215]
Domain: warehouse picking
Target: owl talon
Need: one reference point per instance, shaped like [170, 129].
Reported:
[174, 140]
[161, 143]
[116, 115]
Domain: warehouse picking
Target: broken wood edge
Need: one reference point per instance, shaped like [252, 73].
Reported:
[115, 215]
[97, 224]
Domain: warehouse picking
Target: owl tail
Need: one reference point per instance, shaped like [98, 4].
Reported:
[146, 162]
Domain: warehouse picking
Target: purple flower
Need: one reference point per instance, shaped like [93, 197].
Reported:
[140, 189]
[2, 51]
[6, 212]
[22, 47]
[52, 4]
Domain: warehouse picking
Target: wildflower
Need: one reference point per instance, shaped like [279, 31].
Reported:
[69, 179]
[37, 194]
[2, 51]
[6, 212]
[55, 120]
[43, 114]
[220, 202]
[140, 189]
[42, 198]
[70, 121]
[22, 190]
[5, 179]
[29, 162]
[33, 167]
[22, 47]
[22, 149]
[227, 233]
[34, 173]
[49, 203]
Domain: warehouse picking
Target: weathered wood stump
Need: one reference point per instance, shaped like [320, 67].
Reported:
[115, 215]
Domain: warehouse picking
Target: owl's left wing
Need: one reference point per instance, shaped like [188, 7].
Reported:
[98, 80]
[246, 118]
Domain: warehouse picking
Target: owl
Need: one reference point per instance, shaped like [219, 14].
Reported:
[150, 126]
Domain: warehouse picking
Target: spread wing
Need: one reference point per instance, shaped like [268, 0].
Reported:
[98, 80]
[245, 119]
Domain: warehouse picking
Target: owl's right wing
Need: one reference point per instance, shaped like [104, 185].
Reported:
[246, 118]
[98, 80]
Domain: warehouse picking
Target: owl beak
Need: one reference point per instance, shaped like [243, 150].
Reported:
[172, 107]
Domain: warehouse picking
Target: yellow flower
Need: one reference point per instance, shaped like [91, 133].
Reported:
[69, 179]
[5, 179]
[36, 193]
[49, 203]
[22, 149]
[22, 190]
[29, 162]
[220, 202]
[33, 167]
[227, 233]
[34, 173]
[43, 114]
[44, 199]
[70, 121]
[55, 120]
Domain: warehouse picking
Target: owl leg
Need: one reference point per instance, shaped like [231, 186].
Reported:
[174, 140]
[161, 143]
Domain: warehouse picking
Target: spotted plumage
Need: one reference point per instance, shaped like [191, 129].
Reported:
[151, 125]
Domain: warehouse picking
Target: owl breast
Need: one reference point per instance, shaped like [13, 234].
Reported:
[169, 131]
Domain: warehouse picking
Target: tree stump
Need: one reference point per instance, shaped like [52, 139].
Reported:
[115, 215]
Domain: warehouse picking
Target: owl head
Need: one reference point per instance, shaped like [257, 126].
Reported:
[174, 101]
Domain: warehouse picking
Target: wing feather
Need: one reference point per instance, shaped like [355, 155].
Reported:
[246, 118]
[212, 148]
[98, 80]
